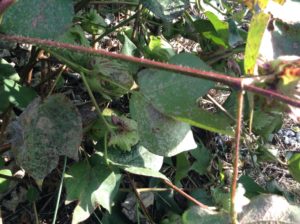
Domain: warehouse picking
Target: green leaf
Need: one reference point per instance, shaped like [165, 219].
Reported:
[197, 215]
[221, 27]
[93, 184]
[138, 157]
[221, 198]
[234, 37]
[182, 167]
[257, 28]
[203, 157]
[145, 172]
[93, 23]
[32, 194]
[126, 134]
[160, 134]
[166, 9]
[16, 94]
[172, 218]
[294, 166]
[4, 183]
[201, 195]
[128, 47]
[74, 35]
[162, 89]
[11, 92]
[269, 209]
[266, 122]
[159, 49]
[43, 132]
[38, 18]
[252, 188]
[7, 71]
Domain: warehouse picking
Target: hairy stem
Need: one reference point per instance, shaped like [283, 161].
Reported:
[238, 131]
[210, 75]
[190, 198]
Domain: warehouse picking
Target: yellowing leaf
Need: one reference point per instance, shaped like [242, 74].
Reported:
[257, 28]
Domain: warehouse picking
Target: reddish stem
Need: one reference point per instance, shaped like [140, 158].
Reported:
[190, 198]
[236, 155]
[4, 4]
[210, 75]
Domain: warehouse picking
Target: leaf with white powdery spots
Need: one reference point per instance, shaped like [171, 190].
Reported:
[176, 95]
[160, 134]
[138, 157]
[43, 132]
[38, 18]
[166, 9]
[269, 209]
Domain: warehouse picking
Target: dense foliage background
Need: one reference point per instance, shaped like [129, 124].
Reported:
[170, 111]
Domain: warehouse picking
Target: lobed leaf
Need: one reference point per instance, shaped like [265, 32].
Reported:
[93, 184]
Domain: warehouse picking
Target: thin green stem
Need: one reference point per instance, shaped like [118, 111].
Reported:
[87, 86]
[105, 149]
[62, 69]
[35, 213]
[59, 190]
[110, 30]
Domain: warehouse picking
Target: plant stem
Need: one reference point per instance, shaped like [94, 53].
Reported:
[210, 75]
[60, 190]
[35, 213]
[190, 198]
[105, 149]
[238, 131]
[109, 128]
[62, 69]
[146, 213]
[5, 147]
[110, 30]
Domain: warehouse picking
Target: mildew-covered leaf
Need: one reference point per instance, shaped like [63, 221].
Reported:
[138, 157]
[166, 9]
[38, 18]
[197, 215]
[43, 132]
[159, 133]
[270, 209]
[176, 95]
